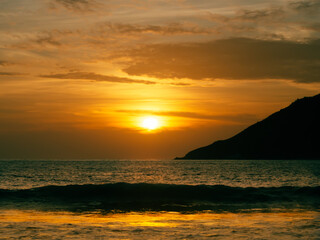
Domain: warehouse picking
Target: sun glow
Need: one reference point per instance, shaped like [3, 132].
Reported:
[150, 123]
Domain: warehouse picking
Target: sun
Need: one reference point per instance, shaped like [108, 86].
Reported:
[150, 123]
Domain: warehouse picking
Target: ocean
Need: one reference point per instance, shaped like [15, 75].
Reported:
[159, 199]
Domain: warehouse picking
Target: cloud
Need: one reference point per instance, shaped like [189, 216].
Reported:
[310, 6]
[288, 21]
[47, 40]
[95, 77]
[180, 84]
[245, 16]
[102, 34]
[313, 26]
[167, 29]
[237, 58]
[5, 63]
[78, 6]
[10, 74]
[41, 40]
[195, 115]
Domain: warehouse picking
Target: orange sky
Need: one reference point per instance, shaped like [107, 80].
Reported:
[78, 77]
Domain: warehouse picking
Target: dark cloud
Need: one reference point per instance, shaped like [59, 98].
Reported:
[260, 14]
[287, 21]
[47, 40]
[10, 74]
[314, 27]
[229, 59]
[95, 77]
[168, 29]
[180, 84]
[79, 6]
[195, 115]
[43, 39]
[4, 63]
[245, 15]
[256, 23]
[310, 6]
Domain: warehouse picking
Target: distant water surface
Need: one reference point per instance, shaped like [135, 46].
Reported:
[235, 173]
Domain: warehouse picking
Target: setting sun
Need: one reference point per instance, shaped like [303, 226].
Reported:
[150, 123]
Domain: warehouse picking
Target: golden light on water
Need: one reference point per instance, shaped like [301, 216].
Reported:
[156, 219]
[156, 225]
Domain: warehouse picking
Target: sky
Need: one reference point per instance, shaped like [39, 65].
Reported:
[79, 77]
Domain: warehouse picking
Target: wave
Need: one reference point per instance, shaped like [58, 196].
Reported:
[158, 197]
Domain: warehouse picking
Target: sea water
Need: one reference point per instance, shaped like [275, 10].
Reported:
[153, 199]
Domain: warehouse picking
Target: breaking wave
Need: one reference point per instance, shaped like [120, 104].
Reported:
[159, 197]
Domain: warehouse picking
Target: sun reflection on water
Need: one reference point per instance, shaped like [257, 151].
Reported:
[158, 225]
[160, 219]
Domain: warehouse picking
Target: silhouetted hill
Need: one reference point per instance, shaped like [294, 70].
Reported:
[291, 133]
